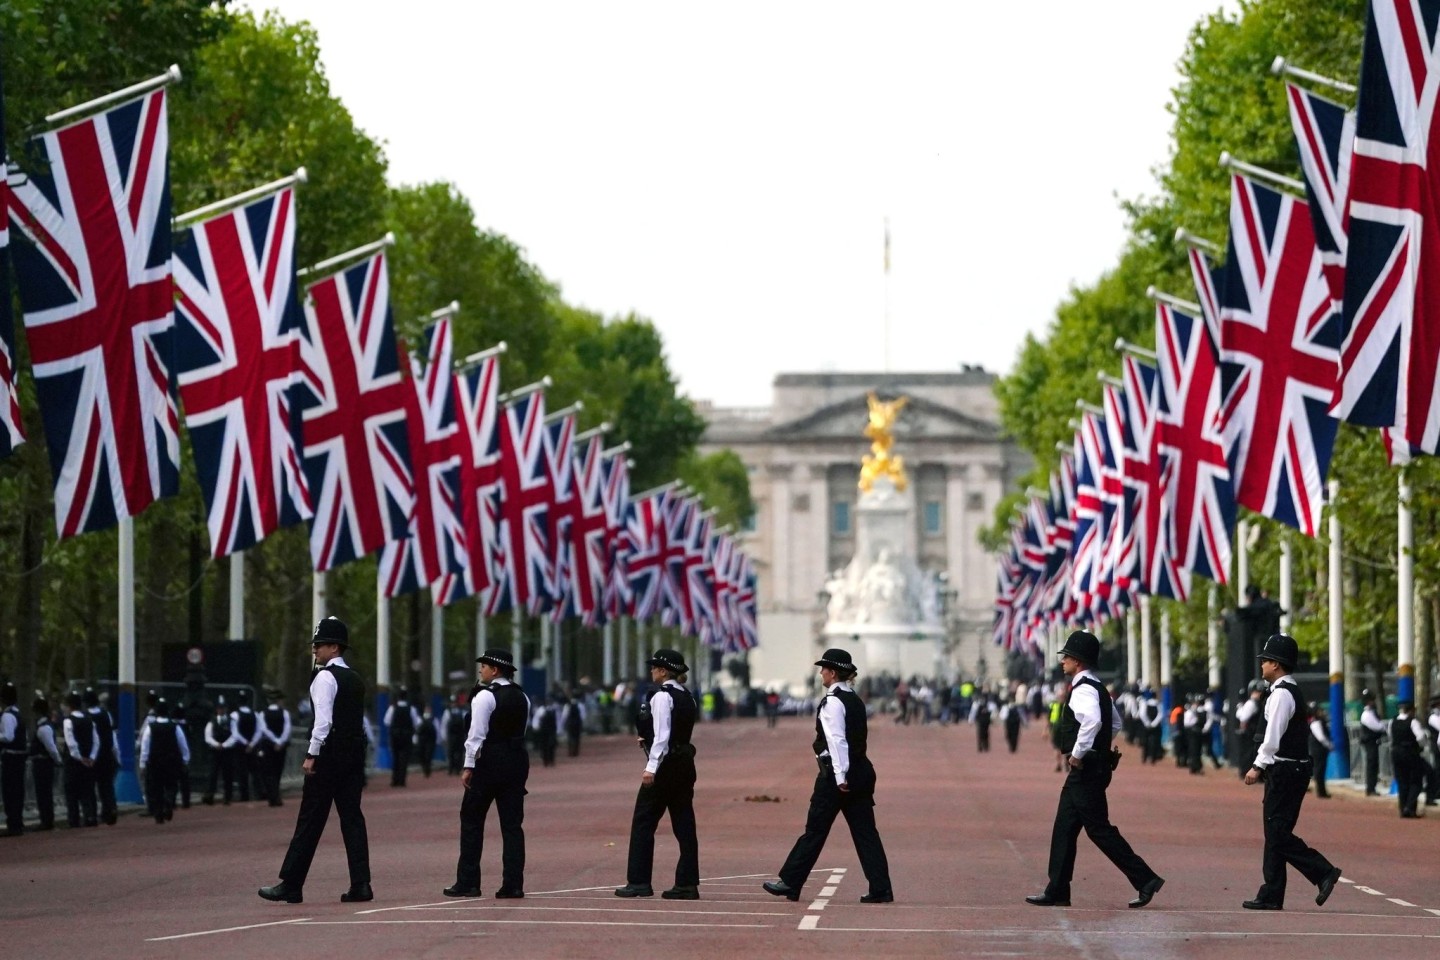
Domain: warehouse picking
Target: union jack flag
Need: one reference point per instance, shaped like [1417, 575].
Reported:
[586, 549]
[647, 551]
[525, 574]
[12, 427]
[564, 502]
[1128, 420]
[1090, 535]
[1389, 359]
[433, 543]
[675, 608]
[99, 307]
[1194, 476]
[746, 606]
[477, 441]
[237, 347]
[1279, 350]
[616, 495]
[723, 557]
[357, 447]
[699, 572]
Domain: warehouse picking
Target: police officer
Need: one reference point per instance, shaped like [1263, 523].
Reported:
[82, 749]
[245, 726]
[1372, 731]
[572, 718]
[1284, 764]
[845, 784]
[497, 766]
[1012, 715]
[107, 764]
[457, 727]
[164, 754]
[221, 738]
[275, 727]
[426, 736]
[401, 719]
[546, 723]
[1090, 722]
[334, 771]
[1247, 718]
[1150, 715]
[13, 751]
[1320, 747]
[1406, 736]
[668, 782]
[44, 759]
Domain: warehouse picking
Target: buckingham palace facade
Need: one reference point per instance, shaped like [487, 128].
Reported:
[803, 455]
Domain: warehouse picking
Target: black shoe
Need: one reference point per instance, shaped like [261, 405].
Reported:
[886, 897]
[509, 893]
[1045, 900]
[1147, 893]
[282, 891]
[635, 890]
[678, 892]
[779, 888]
[1261, 905]
[459, 891]
[1327, 886]
[358, 893]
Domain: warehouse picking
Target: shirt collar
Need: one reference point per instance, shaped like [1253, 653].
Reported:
[837, 685]
[1083, 674]
[672, 682]
[338, 662]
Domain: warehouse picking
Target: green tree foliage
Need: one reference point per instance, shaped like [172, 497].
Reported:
[720, 479]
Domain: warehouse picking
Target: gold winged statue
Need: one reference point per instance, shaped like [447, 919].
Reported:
[879, 462]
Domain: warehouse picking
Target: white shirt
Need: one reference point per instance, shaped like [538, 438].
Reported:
[1370, 720]
[322, 694]
[832, 724]
[1278, 711]
[73, 746]
[215, 728]
[414, 718]
[45, 733]
[1085, 704]
[1317, 730]
[660, 709]
[9, 726]
[259, 733]
[481, 707]
[94, 713]
[1150, 714]
[1434, 722]
[1417, 730]
[1246, 710]
[179, 738]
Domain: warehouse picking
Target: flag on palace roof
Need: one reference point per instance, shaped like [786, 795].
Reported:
[93, 265]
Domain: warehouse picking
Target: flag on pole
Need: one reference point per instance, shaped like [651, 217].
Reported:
[586, 550]
[647, 534]
[237, 347]
[99, 309]
[560, 469]
[525, 574]
[616, 494]
[747, 606]
[1279, 353]
[356, 445]
[478, 445]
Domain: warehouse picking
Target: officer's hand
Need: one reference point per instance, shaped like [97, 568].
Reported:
[648, 779]
[1075, 762]
[845, 787]
[1252, 777]
[308, 766]
[88, 763]
[465, 777]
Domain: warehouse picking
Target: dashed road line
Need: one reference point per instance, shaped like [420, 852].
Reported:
[206, 933]
[822, 901]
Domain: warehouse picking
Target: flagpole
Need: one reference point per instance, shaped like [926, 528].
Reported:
[1132, 646]
[624, 651]
[556, 415]
[1228, 162]
[1212, 640]
[318, 606]
[382, 673]
[640, 651]
[1186, 238]
[1339, 766]
[342, 260]
[1282, 68]
[99, 104]
[1405, 605]
[186, 220]
[1134, 349]
[1172, 301]
[475, 358]
[525, 391]
[437, 653]
[237, 595]
[1147, 647]
[1242, 558]
[1167, 692]
[609, 668]
[604, 428]
[1285, 591]
[127, 784]
[516, 638]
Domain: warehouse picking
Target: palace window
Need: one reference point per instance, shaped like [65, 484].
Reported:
[840, 518]
[933, 525]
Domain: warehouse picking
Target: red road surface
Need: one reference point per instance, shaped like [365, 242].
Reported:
[967, 837]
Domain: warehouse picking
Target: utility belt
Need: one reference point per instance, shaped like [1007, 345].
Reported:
[1288, 767]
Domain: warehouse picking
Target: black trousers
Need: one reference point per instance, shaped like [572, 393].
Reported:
[674, 792]
[103, 775]
[162, 781]
[982, 736]
[502, 784]
[43, 770]
[1319, 759]
[1195, 749]
[1083, 806]
[1153, 749]
[79, 793]
[1409, 779]
[274, 766]
[547, 749]
[338, 779]
[1012, 736]
[12, 790]
[1285, 785]
[399, 760]
[826, 803]
[426, 750]
[1372, 764]
[222, 771]
[572, 744]
[455, 753]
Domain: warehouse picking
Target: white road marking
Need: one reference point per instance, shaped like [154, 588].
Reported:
[827, 891]
[206, 933]
[558, 923]
[539, 893]
[1070, 935]
[1430, 910]
[819, 905]
[1369, 890]
[808, 923]
[1397, 900]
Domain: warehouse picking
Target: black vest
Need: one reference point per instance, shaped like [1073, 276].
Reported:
[1402, 738]
[275, 719]
[1070, 724]
[164, 743]
[573, 725]
[511, 713]
[457, 722]
[347, 721]
[402, 725]
[856, 729]
[83, 730]
[19, 744]
[37, 748]
[1295, 741]
[683, 712]
[245, 723]
[105, 730]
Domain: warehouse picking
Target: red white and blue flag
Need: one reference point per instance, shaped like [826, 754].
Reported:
[1279, 352]
[1129, 420]
[647, 551]
[12, 427]
[524, 569]
[675, 608]
[416, 560]
[1090, 456]
[98, 298]
[616, 495]
[237, 351]
[564, 502]
[586, 548]
[699, 574]
[1391, 353]
[477, 391]
[356, 445]
[746, 606]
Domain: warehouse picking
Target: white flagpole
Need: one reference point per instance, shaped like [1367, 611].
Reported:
[1270, 177]
[1340, 757]
[1212, 638]
[1132, 646]
[1242, 557]
[641, 654]
[624, 652]
[127, 784]
[383, 759]
[341, 260]
[1281, 68]
[318, 607]
[1405, 602]
[437, 647]
[238, 200]
[1170, 300]
[99, 104]
[609, 672]
[1285, 589]
[481, 627]
[1146, 643]
[516, 638]
[237, 595]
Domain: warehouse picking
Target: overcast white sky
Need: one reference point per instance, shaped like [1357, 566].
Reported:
[726, 169]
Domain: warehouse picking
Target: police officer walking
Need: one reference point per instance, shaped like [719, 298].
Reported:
[13, 751]
[668, 783]
[497, 766]
[82, 747]
[334, 771]
[44, 759]
[457, 727]
[1247, 717]
[1406, 736]
[1089, 724]
[845, 785]
[245, 725]
[1284, 764]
